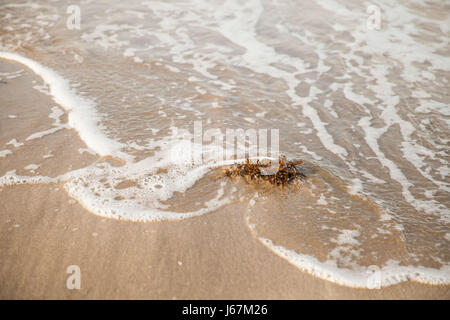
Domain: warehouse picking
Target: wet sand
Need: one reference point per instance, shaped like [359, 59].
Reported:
[210, 257]
[215, 256]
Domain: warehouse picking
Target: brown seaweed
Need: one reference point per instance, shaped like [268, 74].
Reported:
[283, 173]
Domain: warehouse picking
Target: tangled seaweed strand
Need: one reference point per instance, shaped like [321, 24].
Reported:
[288, 171]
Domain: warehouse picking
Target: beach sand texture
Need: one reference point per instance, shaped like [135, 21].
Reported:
[114, 137]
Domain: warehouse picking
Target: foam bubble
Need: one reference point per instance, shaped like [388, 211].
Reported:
[14, 143]
[4, 153]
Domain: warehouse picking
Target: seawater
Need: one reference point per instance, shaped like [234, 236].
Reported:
[367, 109]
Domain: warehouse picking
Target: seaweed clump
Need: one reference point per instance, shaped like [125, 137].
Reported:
[281, 174]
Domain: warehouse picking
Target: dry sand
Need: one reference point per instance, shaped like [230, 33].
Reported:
[43, 231]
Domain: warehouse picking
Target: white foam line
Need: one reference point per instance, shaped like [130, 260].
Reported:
[388, 275]
[322, 133]
[82, 113]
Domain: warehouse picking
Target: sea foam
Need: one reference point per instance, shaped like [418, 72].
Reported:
[370, 277]
[82, 113]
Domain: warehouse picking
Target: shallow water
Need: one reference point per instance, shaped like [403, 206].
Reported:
[368, 111]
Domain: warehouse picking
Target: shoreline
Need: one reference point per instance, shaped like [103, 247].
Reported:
[213, 256]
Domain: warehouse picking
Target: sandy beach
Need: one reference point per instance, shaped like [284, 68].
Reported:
[210, 257]
[214, 256]
[135, 138]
